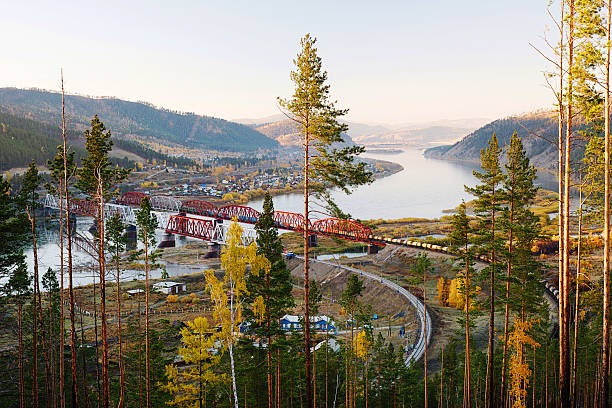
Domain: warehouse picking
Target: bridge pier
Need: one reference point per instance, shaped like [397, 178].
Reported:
[214, 250]
[313, 241]
[167, 241]
[132, 236]
[373, 249]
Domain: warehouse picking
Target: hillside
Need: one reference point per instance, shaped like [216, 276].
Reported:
[542, 153]
[23, 140]
[287, 133]
[137, 119]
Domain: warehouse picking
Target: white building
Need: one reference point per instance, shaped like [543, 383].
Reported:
[170, 288]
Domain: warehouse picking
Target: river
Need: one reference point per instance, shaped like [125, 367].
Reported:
[424, 188]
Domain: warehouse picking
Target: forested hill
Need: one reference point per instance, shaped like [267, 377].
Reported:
[136, 118]
[542, 153]
[23, 140]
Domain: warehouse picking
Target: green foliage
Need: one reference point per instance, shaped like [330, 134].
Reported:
[518, 220]
[28, 195]
[276, 286]
[137, 118]
[147, 223]
[97, 175]
[116, 240]
[24, 140]
[317, 117]
[13, 231]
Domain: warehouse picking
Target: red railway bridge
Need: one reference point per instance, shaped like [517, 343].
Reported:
[183, 224]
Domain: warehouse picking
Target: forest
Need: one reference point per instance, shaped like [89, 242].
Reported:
[532, 324]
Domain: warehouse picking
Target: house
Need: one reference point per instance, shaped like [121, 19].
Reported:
[289, 322]
[319, 323]
[170, 288]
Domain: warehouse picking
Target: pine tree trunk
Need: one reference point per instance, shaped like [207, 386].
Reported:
[326, 363]
[442, 378]
[32, 219]
[21, 373]
[306, 271]
[490, 391]
[46, 350]
[466, 390]
[605, 397]
[63, 212]
[147, 360]
[96, 338]
[84, 363]
[425, 329]
[560, 165]
[139, 359]
[269, 336]
[564, 372]
[52, 349]
[577, 304]
[120, 339]
[102, 264]
[69, 248]
[507, 308]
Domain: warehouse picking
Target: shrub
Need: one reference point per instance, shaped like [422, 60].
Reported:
[172, 299]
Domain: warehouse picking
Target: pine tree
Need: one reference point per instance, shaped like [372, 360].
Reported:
[29, 198]
[97, 177]
[147, 223]
[487, 206]
[461, 239]
[317, 117]
[354, 287]
[274, 287]
[521, 228]
[18, 288]
[116, 242]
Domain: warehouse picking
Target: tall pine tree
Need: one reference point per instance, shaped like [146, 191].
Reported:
[487, 208]
[317, 118]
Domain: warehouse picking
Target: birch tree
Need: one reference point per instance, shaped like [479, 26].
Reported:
[227, 293]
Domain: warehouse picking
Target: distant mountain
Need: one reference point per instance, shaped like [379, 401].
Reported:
[542, 153]
[136, 118]
[431, 135]
[287, 133]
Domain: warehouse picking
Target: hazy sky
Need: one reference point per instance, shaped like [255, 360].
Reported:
[388, 61]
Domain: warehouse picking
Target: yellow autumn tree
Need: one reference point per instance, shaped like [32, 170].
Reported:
[442, 292]
[456, 294]
[453, 294]
[227, 293]
[188, 386]
[520, 372]
[361, 348]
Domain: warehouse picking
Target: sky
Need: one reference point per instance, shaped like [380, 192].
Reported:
[388, 62]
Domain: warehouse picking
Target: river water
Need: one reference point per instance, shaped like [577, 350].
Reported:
[423, 189]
